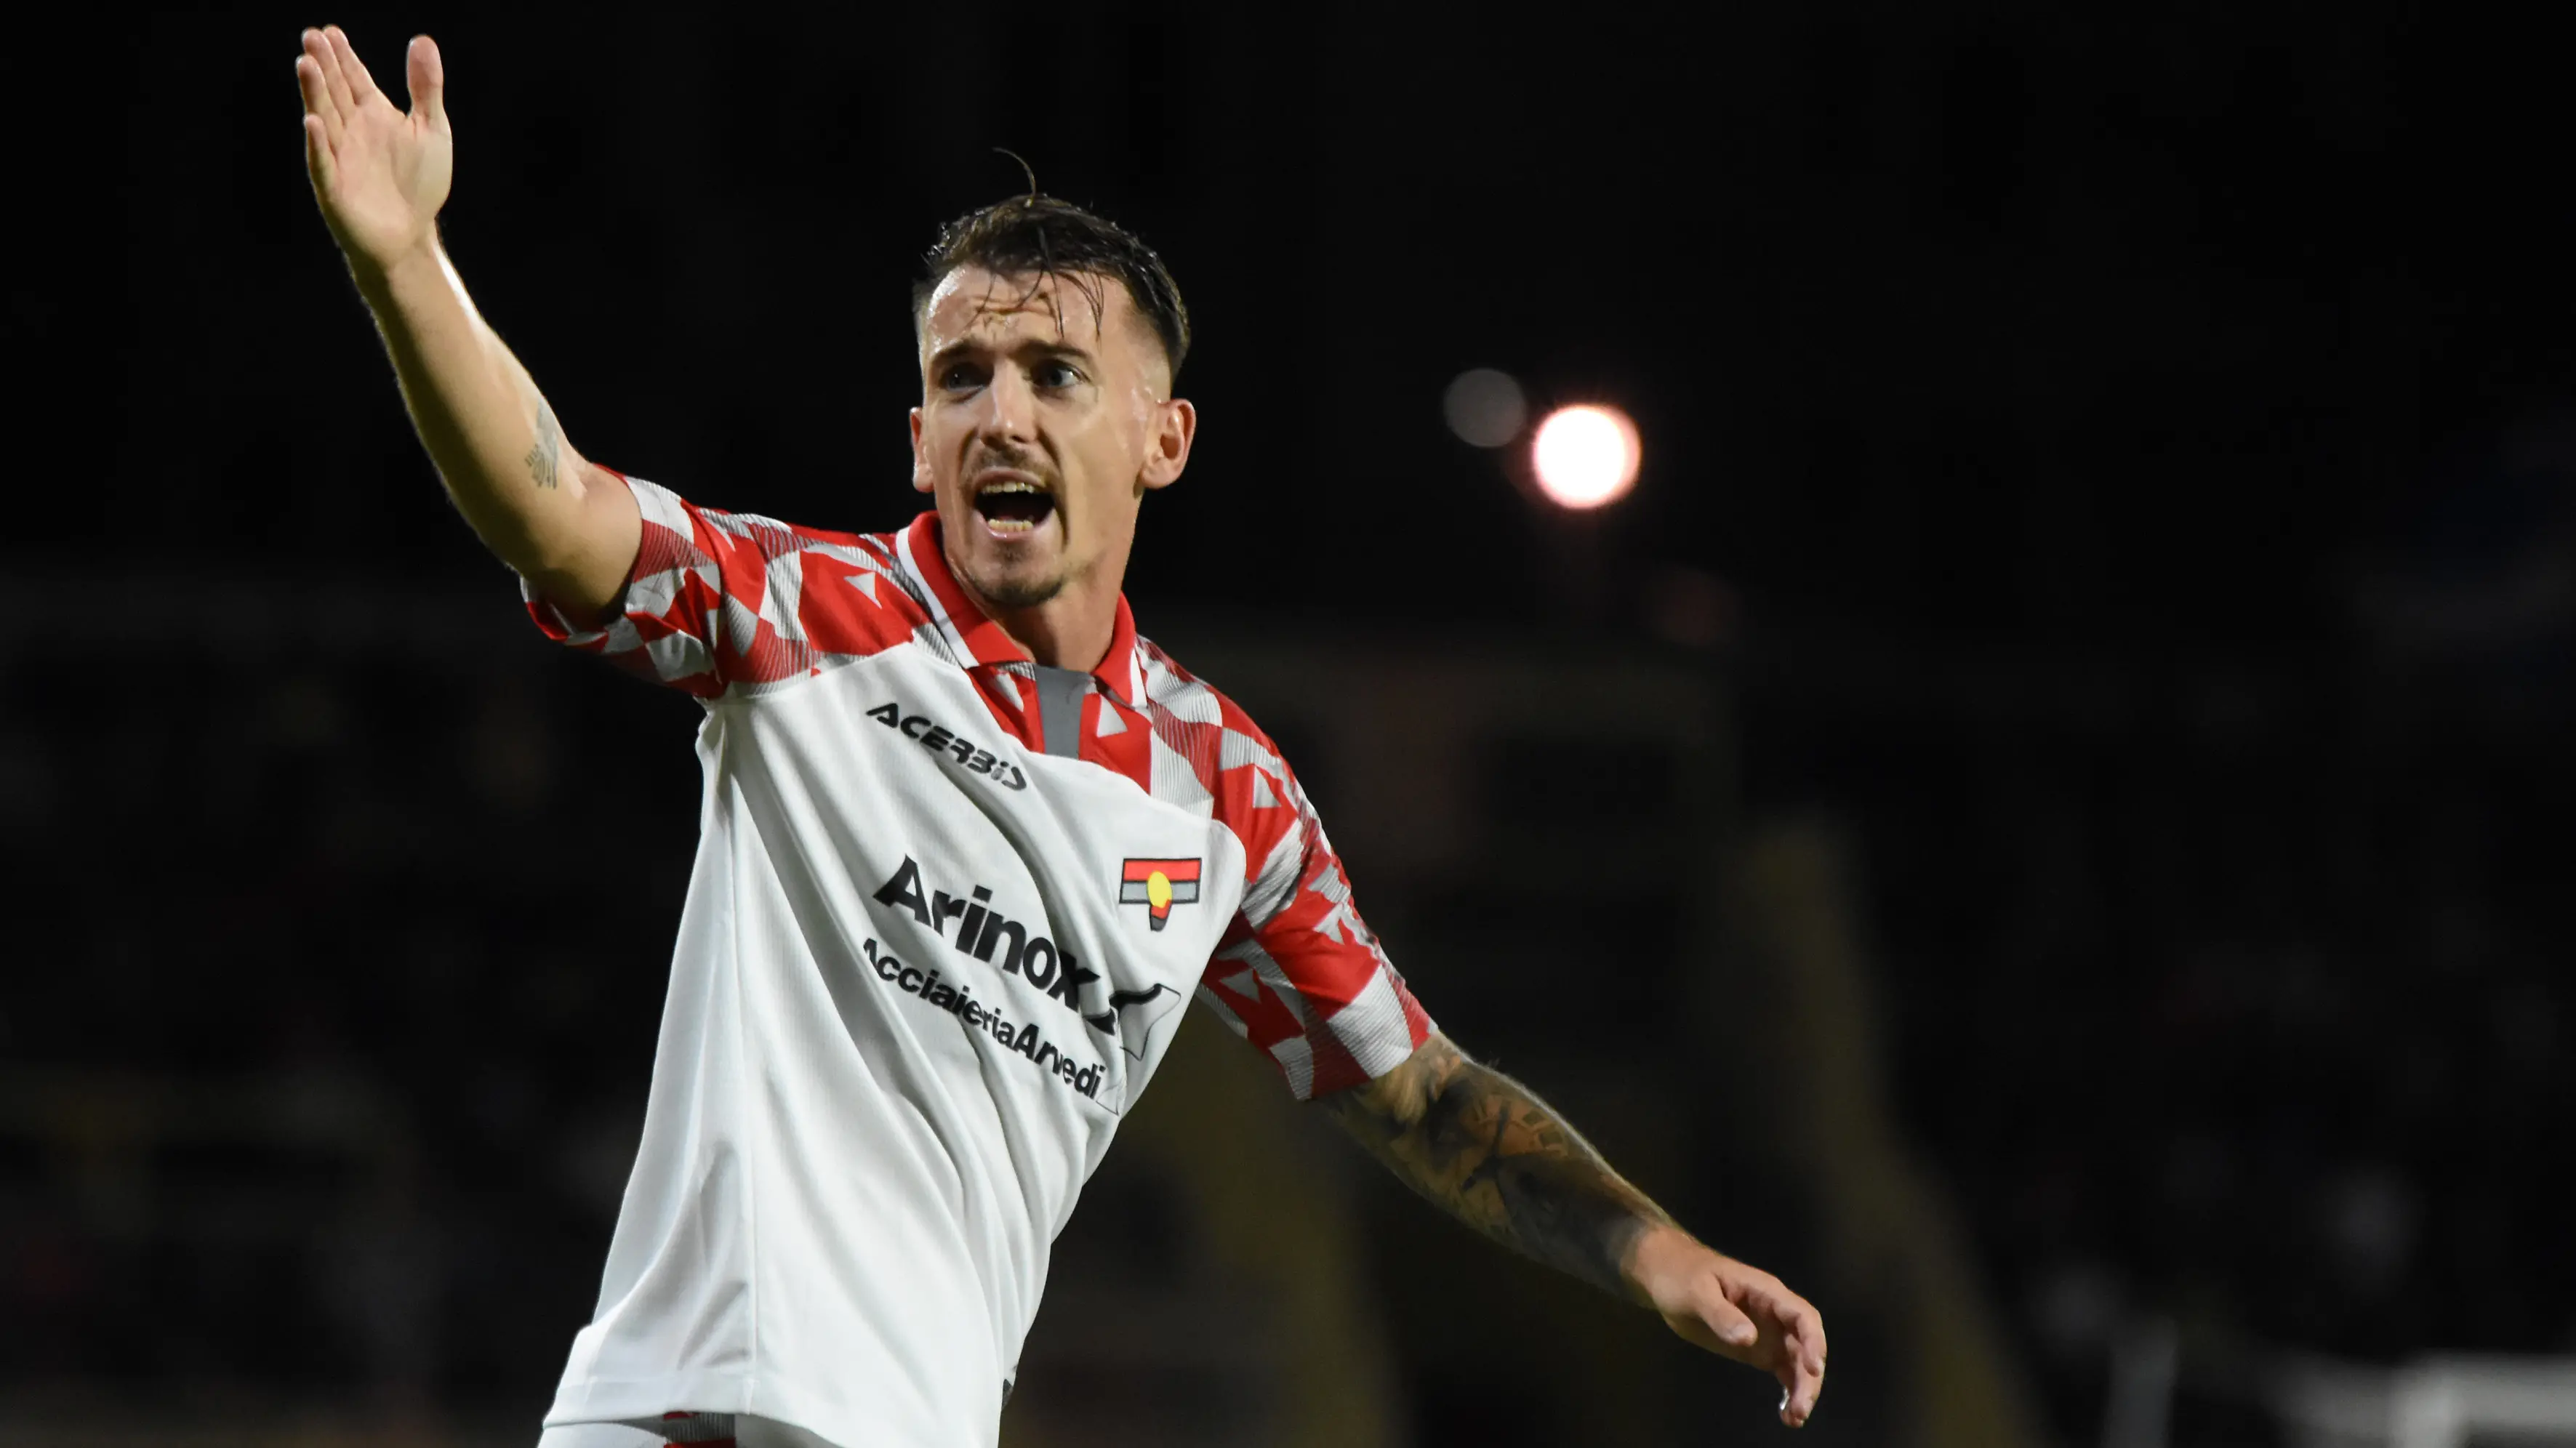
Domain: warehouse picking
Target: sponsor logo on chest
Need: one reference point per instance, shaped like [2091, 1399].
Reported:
[1015, 948]
[974, 758]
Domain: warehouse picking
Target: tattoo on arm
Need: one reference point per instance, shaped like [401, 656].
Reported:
[548, 449]
[1484, 1148]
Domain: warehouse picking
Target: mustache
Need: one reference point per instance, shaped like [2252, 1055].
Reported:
[1035, 464]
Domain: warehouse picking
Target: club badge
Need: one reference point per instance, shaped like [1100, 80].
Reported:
[1158, 885]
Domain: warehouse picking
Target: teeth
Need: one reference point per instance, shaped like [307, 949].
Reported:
[1013, 527]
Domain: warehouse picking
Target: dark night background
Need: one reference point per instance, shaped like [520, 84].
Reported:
[2116, 472]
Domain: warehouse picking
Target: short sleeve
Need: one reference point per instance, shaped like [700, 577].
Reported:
[721, 602]
[1298, 973]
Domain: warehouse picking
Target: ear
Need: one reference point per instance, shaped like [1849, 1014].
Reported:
[920, 459]
[1167, 449]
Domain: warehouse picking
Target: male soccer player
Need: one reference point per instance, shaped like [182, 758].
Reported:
[968, 843]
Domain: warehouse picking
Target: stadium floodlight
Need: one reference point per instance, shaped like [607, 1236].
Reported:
[1585, 456]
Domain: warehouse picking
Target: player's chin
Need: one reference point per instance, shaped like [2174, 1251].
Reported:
[1019, 582]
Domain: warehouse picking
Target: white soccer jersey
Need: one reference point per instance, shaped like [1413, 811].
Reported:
[946, 907]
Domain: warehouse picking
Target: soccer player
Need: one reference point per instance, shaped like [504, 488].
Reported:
[968, 844]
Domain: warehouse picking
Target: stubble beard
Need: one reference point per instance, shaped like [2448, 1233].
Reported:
[1020, 593]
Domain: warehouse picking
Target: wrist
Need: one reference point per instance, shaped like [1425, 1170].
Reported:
[1660, 1252]
[383, 280]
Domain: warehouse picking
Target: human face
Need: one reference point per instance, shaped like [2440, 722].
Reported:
[1044, 420]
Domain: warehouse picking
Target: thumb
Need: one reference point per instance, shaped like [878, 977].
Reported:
[1714, 1323]
[428, 81]
[1729, 1322]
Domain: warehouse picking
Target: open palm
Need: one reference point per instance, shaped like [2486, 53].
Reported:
[379, 173]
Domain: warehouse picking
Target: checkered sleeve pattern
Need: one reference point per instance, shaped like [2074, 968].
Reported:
[1297, 973]
[721, 603]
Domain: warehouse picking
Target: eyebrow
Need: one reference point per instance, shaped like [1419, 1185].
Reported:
[1032, 347]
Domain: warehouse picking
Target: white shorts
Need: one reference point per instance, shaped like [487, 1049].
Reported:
[702, 1428]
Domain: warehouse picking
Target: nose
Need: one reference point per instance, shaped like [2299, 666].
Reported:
[1010, 409]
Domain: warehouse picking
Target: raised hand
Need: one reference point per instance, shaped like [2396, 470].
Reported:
[380, 174]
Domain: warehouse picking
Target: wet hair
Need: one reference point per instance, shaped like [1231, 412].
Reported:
[1038, 236]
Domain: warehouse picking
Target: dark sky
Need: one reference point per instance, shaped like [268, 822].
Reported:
[1990, 323]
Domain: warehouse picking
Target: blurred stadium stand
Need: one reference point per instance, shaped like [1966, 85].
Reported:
[2438, 1402]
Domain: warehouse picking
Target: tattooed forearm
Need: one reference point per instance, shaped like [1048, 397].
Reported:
[1486, 1149]
[548, 449]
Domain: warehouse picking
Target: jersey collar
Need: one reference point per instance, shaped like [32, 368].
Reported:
[984, 640]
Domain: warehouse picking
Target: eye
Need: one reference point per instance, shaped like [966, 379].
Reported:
[961, 377]
[1056, 372]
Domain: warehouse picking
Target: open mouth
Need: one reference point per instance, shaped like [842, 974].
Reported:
[1011, 507]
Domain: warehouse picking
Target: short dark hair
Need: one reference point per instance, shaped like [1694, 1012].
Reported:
[1036, 235]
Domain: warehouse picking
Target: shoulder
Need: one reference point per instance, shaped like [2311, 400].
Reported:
[1219, 759]
[1199, 722]
[782, 598]
[713, 533]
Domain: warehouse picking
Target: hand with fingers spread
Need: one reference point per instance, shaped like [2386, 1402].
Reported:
[379, 173]
[1735, 1311]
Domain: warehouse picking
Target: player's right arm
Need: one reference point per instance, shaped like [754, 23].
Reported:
[380, 175]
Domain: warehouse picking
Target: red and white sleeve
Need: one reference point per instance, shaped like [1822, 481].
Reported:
[720, 602]
[1298, 973]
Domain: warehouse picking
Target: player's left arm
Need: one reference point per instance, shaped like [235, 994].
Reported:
[1487, 1150]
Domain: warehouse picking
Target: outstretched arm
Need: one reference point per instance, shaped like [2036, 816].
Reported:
[1484, 1148]
[380, 175]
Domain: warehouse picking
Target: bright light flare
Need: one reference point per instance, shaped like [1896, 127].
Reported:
[1585, 456]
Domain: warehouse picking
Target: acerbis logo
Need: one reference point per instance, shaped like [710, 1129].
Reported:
[929, 734]
[1158, 885]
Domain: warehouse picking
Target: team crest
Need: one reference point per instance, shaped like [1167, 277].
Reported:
[1158, 885]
